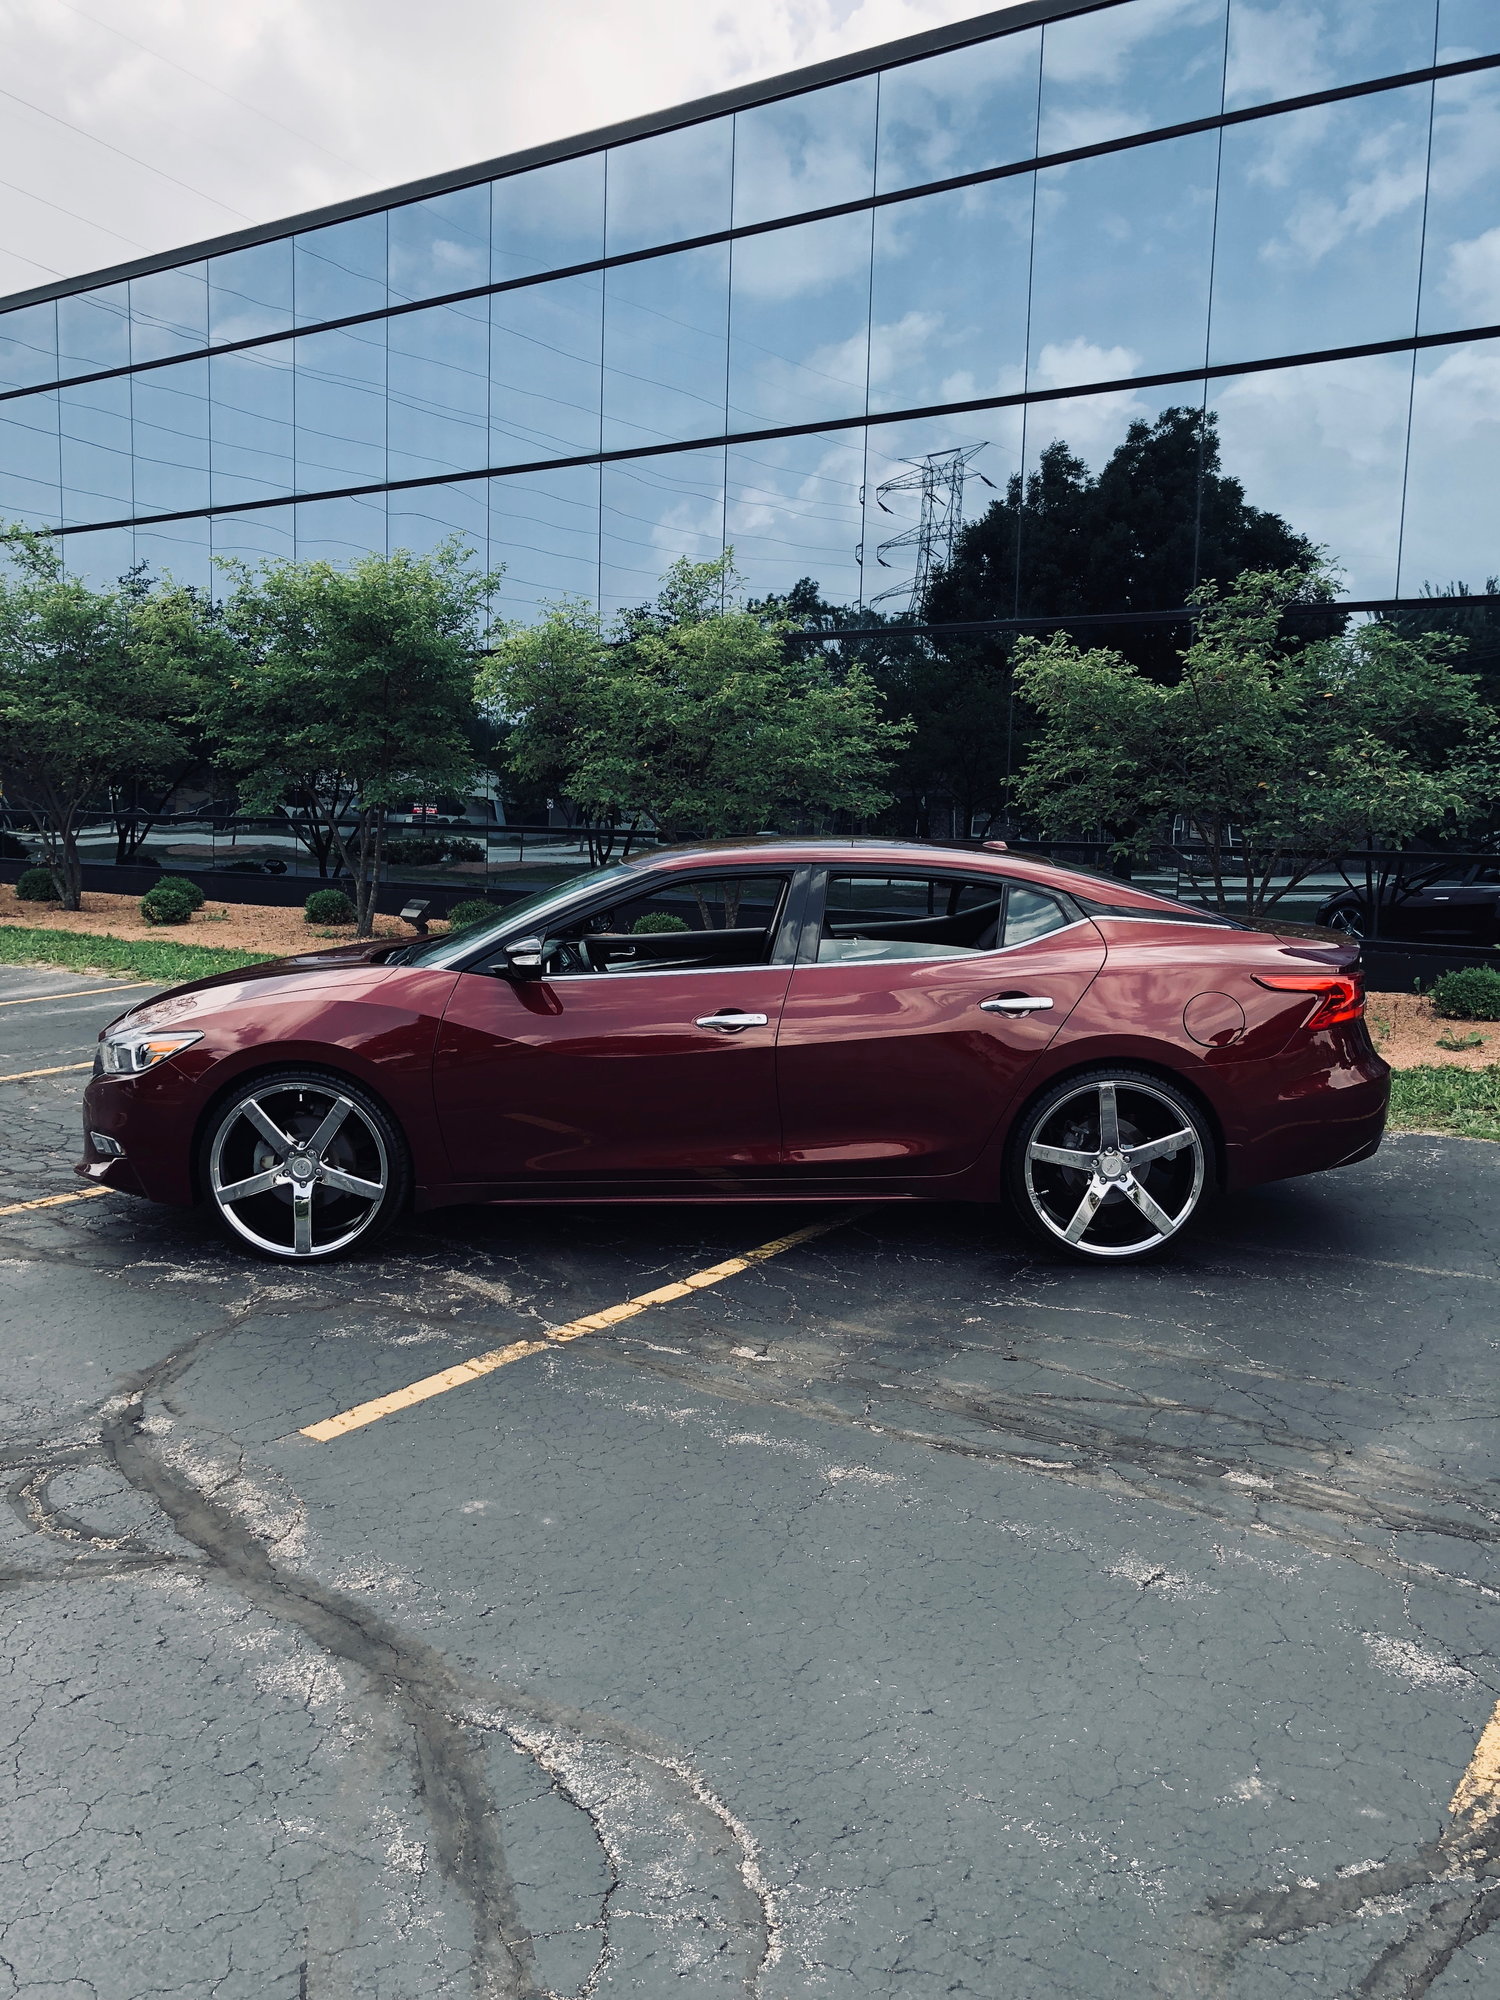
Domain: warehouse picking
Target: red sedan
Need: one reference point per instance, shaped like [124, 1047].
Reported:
[787, 1019]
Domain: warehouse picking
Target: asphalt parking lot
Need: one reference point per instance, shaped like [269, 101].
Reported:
[901, 1613]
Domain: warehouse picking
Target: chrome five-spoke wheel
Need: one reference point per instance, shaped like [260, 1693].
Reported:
[1110, 1165]
[301, 1167]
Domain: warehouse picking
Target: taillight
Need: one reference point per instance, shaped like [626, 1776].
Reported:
[1341, 995]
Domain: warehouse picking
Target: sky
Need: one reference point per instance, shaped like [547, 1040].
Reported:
[133, 126]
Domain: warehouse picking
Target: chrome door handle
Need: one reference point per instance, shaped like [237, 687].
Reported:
[1019, 1003]
[733, 1022]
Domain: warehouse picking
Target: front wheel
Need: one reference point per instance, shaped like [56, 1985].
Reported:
[1112, 1164]
[303, 1166]
[1346, 917]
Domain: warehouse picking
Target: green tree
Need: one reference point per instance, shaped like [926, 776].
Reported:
[354, 693]
[1280, 755]
[92, 694]
[694, 715]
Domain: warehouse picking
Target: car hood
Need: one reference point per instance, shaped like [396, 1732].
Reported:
[340, 958]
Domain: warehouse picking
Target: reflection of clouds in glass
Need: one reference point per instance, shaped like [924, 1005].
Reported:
[1125, 69]
[1452, 530]
[1467, 28]
[1296, 46]
[1062, 363]
[1384, 175]
[810, 258]
[1323, 446]
[1459, 275]
[806, 152]
[1093, 426]
[653, 512]
[793, 510]
[1472, 279]
[959, 112]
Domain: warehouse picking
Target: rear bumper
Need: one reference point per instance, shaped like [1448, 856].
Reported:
[1326, 1117]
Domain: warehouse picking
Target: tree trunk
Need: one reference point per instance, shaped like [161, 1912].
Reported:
[367, 879]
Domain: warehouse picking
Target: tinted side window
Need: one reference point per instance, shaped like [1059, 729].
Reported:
[676, 925]
[1031, 914]
[875, 917]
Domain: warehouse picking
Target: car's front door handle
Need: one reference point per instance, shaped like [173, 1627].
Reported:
[732, 1023]
[1015, 1003]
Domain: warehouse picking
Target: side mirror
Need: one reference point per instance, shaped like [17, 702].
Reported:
[523, 957]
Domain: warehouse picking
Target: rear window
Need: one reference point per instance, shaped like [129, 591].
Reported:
[877, 917]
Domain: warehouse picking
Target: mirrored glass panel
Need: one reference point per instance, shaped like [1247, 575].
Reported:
[1461, 252]
[1120, 276]
[250, 292]
[250, 419]
[1467, 28]
[544, 533]
[267, 535]
[93, 331]
[654, 512]
[101, 559]
[438, 403]
[805, 152]
[669, 187]
[1322, 447]
[30, 469]
[1107, 517]
[960, 112]
[340, 270]
[1278, 51]
[794, 517]
[28, 346]
[949, 296]
[967, 461]
[179, 550]
[442, 245]
[799, 325]
[169, 312]
[341, 531]
[1320, 227]
[548, 218]
[170, 411]
[1451, 535]
[341, 407]
[666, 337]
[544, 370]
[423, 516]
[94, 422]
[1130, 69]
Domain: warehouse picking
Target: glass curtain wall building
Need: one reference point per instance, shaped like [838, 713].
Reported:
[739, 321]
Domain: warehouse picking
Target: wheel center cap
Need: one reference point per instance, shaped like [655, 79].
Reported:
[300, 1167]
[1111, 1165]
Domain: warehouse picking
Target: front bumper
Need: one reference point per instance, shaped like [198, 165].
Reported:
[153, 1119]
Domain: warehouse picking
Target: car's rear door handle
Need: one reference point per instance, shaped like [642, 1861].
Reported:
[1014, 1003]
[733, 1022]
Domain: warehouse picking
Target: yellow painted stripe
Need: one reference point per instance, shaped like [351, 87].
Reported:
[1478, 1794]
[557, 1336]
[20, 1075]
[83, 993]
[55, 1200]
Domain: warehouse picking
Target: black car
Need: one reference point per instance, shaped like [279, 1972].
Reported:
[1455, 903]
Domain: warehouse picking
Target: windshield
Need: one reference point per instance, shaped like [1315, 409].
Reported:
[455, 945]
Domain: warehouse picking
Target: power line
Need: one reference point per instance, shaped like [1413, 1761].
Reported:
[119, 237]
[134, 160]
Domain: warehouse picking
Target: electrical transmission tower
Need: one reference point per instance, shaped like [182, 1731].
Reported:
[939, 478]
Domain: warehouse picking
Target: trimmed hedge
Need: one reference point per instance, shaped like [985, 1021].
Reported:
[1472, 994]
[655, 921]
[36, 885]
[172, 900]
[328, 906]
[473, 911]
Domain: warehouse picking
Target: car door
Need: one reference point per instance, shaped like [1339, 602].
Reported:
[918, 1004]
[645, 1051]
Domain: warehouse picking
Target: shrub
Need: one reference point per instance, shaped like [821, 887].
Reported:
[171, 901]
[328, 906]
[473, 911]
[36, 886]
[1470, 995]
[656, 920]
[417, 852]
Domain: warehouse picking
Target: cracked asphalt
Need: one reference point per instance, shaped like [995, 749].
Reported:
[910, 1615]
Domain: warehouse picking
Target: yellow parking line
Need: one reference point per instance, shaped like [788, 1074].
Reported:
[20, 1075]
[55, 1200]
[83, 993]
[1478, 1794]
[558, 1336]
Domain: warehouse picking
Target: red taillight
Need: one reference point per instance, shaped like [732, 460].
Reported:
[1341, 995]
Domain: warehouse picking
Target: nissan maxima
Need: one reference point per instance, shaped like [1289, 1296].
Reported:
[795, 1020]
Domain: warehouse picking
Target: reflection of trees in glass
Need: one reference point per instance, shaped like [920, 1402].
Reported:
[1473, 616]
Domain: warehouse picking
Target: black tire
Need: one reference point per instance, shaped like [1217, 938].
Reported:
[263, 1139]
[1108, 1189]
[1350, 918]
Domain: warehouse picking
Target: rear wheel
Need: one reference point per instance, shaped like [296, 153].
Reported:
[302, 1166]
[1346, 917]
[1109, 1165]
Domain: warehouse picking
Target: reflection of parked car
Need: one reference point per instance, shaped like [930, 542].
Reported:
[1442, 904]
[766, 1020]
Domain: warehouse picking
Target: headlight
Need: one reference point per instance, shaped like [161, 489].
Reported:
[129, 1054]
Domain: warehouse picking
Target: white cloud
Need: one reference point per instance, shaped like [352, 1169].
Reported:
[1472, 277]
[294, 103]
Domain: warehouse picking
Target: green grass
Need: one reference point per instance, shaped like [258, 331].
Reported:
[160, 959]
[1443, 1098]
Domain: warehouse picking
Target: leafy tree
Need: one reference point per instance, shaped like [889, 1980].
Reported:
[354, 693]
[693, 717]
[1279, 755]
[91, 694]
